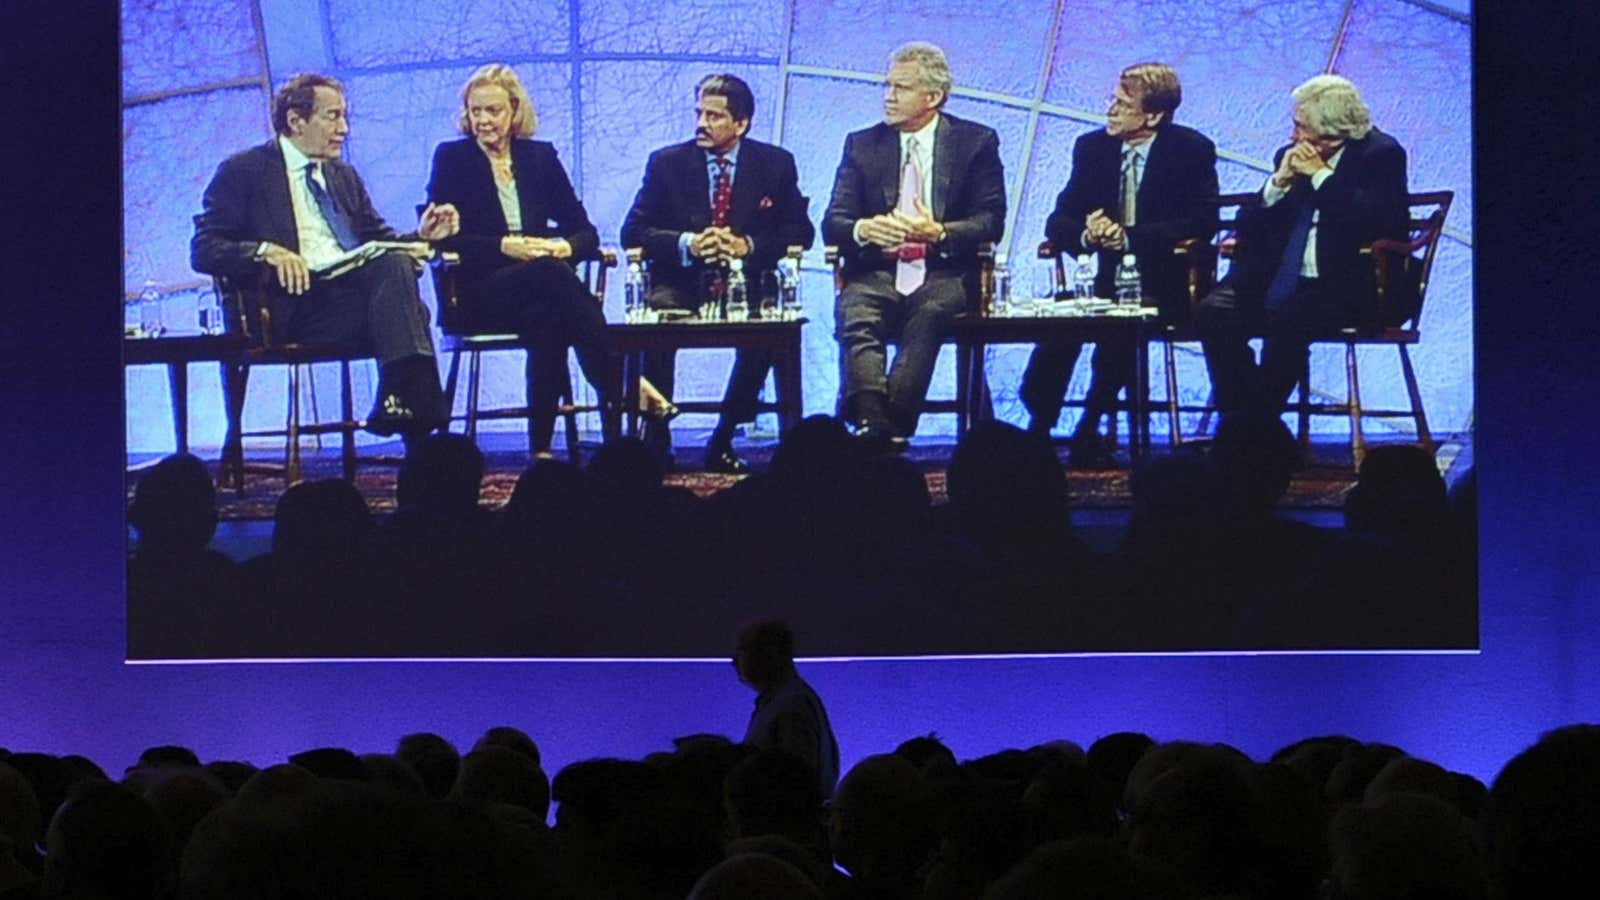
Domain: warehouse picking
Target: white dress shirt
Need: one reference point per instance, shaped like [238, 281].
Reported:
[924, 136]
[318, 247]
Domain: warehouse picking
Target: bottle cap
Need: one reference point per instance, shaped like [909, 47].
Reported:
[736, 265]
[1127, 259]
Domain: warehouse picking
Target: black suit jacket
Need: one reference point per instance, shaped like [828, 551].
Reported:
[550, 207]
[1175, 202]
[969, 191]
[247, 202]
[767, 207]
[1364, 199]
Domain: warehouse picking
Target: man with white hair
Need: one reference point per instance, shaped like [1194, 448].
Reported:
[1298, 269]
[913, 198]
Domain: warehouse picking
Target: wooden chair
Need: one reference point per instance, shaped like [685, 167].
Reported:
[972, 399]
[458, 340]
[248, 315]
[1394, 263]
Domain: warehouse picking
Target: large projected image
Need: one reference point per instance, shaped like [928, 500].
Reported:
[1171, 517]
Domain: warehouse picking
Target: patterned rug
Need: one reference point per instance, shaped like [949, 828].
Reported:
[1322, 484]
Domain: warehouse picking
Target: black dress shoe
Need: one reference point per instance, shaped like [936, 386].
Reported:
[877, 438]
[725, 461]
[1090, 454]
[391, 416]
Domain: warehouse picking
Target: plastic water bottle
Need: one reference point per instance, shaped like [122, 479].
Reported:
[738, 302]
[1002, 287]
[150, 310]
[1083, 278]
[634, 302]
[789, 288]
[208, 312]
[1129, 293]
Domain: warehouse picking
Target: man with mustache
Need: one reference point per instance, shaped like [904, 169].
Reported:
[703, 203]
[913, 198]
[294, 206]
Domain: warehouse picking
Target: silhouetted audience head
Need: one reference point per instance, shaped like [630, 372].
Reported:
[440, 479]
[174, 506]
[168, 755]
[332, 762]
[773, 792]
[1067, 800]
[754, 876]
[1405, 847]
[626, 467]
[1200, 816]
[21, 821]
[510, 738]
[1255, 457]
[888, 497]
[1004, 480]
[1542, 820]
[107, 842]
[231, 774]
[927, 753]
[1398, 493]
[435, 760]
[763, 653]
[183, 797]
[813, 454]
[880, 823]
[318, 521]
[1090, 868]
[393, 773]
[1111, 757]
[498, 774]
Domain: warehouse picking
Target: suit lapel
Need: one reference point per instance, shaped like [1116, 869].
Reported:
[944, 167]
[697, 180]
[1154, 160]
[886, 159]
[280, 209]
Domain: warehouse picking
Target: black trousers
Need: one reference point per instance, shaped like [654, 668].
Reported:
[376, 304]
[545, 301]
[868, 314]
[1227, 320]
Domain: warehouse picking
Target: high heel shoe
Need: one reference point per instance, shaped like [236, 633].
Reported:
[655, 405]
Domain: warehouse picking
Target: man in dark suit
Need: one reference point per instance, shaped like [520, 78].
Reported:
[704, 203]
[913, 198]
[292, 205]
[1139, 186]
[1298, 268]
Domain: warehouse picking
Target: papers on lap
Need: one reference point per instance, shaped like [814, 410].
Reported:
[354, 259]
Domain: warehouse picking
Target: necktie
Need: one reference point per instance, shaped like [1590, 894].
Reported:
[1288, 275]
[721, 193]
[721, 199]
[911, 266]
[1130, 186]
[337, 223]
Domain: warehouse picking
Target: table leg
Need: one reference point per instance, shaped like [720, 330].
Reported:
[786, 383]
[178, 383]
[1139, 398]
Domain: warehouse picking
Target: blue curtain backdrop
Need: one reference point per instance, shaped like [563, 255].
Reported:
[613, 79]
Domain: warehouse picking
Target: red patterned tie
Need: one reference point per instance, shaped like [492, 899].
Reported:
[721, 194]
[721, 199]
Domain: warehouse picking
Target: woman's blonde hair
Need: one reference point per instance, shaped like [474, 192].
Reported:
[524, 121]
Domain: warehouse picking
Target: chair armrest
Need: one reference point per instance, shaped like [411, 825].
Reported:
[247, 310]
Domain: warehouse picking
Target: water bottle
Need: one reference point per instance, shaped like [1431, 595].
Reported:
[1001, 301]
[1129, 293]
[738, 305]
[789, 288]
[150, 310]
[208, 312]
[634, 302]
[1083, 278]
